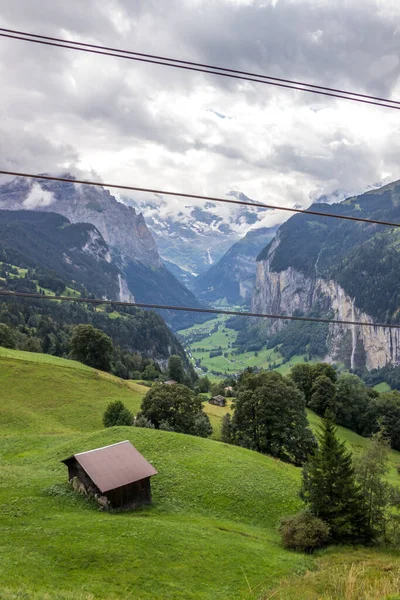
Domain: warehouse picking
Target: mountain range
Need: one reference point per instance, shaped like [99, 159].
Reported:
[192, 239]
[131, 248]
[232, 278]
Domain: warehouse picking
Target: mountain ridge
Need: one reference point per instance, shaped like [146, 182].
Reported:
[347, 269]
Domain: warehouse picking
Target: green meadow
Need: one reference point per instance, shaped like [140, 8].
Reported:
[209, 534]
[229, 362]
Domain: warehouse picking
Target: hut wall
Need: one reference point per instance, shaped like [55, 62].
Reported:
[75, 470]
[131, 495]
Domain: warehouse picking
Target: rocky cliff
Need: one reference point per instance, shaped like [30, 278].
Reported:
[232, 278]
[347, 271]
[122, 228]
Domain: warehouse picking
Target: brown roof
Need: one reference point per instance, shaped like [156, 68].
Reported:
[114, 466]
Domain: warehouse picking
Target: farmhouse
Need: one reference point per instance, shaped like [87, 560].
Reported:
[218, 401]
[170, 382]
[117, 475]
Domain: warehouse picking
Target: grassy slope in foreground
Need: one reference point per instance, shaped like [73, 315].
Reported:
[212, 524]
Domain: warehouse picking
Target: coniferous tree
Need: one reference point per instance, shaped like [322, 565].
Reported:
[175, 368]
[329, 487]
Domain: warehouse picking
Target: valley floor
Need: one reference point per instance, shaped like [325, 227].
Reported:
[201, 339]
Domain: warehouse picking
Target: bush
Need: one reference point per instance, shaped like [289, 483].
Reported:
[304, 532]
[117, 414]
[141, 421]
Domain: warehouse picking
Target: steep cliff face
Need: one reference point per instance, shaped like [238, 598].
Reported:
[233, 277]
[75, 252]
[290, 292]
[348, 271]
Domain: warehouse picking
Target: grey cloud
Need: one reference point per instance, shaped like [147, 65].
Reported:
[98, 103]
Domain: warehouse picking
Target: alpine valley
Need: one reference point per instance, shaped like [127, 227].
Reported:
[310, 265]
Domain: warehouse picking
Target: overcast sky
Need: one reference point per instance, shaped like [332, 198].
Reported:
[152, 126]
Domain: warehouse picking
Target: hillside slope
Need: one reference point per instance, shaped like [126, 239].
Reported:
[132, 248]
[213, 504]
[46, 394]
[209, 535]
[344, 269]
[75, 252]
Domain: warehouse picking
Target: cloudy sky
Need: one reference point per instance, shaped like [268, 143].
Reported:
[152, 126]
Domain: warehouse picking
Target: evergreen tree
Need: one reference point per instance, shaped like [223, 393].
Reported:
[322, 395]
[175, 368]
[330, 490]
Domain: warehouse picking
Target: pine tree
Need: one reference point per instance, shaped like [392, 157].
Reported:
[175, 368]
[329, 487]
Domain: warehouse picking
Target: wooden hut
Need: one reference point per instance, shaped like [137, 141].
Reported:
[218, 400]
[118, 475]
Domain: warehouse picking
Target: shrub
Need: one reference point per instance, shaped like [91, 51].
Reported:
[202, 426]
[304, 532]
[141, 421]
[117, 414]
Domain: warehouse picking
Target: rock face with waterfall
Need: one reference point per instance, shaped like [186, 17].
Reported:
[339, 269]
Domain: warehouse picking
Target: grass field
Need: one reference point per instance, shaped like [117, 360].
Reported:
[209, 509]
[46, 394]
[209, 535]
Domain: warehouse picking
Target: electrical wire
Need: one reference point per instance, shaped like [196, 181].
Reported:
[200, 67]
[192, 63]
[216, 311]
[199, 197]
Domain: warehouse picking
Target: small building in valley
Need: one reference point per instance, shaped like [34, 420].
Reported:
[117, 475]
[170, 382]
[218, 400]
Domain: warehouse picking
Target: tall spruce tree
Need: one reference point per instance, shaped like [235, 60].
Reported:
[329, 487]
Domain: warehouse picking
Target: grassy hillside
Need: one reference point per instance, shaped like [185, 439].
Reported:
[46, 394]
[209, 535]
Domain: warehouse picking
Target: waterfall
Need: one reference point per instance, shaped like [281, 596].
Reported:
[353, 336]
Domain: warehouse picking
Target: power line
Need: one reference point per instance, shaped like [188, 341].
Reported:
[199, 197]
[200, 67]
[217, 311]
[196, 64]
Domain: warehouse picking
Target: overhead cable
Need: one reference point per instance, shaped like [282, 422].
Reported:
[199, 67]
[216, 311]
[198, 196]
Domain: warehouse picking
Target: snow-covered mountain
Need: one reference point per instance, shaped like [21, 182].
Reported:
[192, 237]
